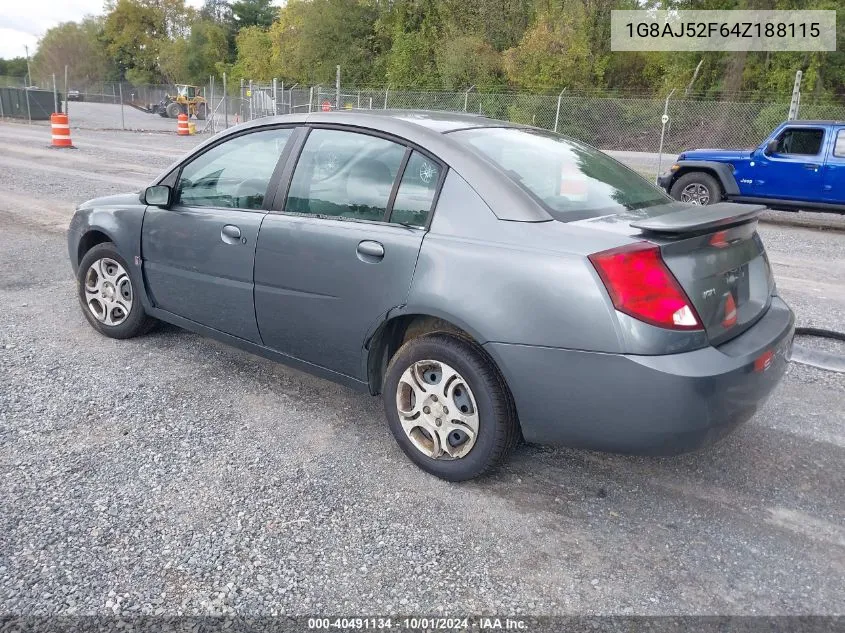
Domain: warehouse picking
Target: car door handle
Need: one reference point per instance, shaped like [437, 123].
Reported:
[811, 166]
[370, 251]
[230, 234]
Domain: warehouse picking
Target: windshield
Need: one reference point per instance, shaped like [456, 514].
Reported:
[573, 180]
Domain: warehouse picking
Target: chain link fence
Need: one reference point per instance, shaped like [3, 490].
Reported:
[610, 122]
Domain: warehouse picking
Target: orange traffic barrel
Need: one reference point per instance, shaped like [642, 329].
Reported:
[60, 130]
[182, 125]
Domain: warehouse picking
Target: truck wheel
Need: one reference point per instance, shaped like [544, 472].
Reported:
[201, 112]
[173, 109]
[448, 407]
[698, 188]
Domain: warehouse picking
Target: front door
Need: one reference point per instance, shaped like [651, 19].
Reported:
[198, 255]
[343, 250]
[794, 171]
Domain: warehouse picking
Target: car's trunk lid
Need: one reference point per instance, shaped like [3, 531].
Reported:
[715, 254]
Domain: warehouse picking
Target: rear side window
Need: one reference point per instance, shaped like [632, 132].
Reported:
[839, 147]
[802, 141]
[573, 180]
[344, 174]
[416, 191]
[234, 174]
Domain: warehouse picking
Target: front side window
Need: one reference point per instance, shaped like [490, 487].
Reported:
[416, 191]
[803, 141]
[344, 174]
[234, 174]
[573, 180]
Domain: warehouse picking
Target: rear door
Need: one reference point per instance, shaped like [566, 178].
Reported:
[335, 259]
[795, 170]
[199, 254]
[834, 169]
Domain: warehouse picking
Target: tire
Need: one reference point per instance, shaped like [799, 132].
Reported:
[487, 398]
[173, 110]
[697, 186]
[112, 300]
[201, 112]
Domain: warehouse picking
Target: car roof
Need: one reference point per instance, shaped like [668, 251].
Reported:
[812, 122]
[388, 120]
[439, 121]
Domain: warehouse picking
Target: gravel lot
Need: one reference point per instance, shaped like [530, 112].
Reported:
[172, 474]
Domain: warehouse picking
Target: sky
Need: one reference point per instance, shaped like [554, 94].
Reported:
[23, 22]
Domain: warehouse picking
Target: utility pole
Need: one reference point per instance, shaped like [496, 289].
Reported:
[796, 97]
[692, 81]
[664, 120]
[337, 88]
[211, 111]
[122, 120]
[65, 88]
[28, 84]
[557, 112]
[28, 71]
[225, 104]
[466, 96]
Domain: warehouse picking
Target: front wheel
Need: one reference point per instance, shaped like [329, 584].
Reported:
[107, 295]
[697, 188]
[448, 407]
[173, 109]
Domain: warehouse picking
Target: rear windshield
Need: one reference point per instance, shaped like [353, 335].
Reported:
[574, 181]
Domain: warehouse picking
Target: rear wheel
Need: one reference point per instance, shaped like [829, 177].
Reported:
[698, 188]
[448, 407]
[107, 294]
[201, 111]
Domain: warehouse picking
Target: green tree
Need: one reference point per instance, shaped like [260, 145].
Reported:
[554, 53]
[207, 46]
[311, 38]
[468, 60]
[219, 11]
[14, 67]
[247, 13]
[499, 23]
[173, 60]
[255, 60]
[135, 31]
[77, 45]
[416, 33]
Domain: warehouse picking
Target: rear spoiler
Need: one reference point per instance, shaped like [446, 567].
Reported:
[698, 219]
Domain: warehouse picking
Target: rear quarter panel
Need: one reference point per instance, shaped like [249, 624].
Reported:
[512, 282]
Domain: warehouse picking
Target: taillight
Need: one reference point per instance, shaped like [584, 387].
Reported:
[640, 284]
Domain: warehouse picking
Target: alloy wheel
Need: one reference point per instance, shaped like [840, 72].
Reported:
[695, 193]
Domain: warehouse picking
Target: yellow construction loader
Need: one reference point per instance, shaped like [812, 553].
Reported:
[187, 100]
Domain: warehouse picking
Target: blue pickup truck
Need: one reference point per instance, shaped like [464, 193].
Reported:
[801, 165]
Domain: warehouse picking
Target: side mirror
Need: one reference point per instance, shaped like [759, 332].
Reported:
[771, 147]
[158, 196]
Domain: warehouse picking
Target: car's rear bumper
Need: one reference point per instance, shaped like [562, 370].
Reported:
[645, 404]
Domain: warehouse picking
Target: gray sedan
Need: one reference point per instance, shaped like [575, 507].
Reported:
[492, 281]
